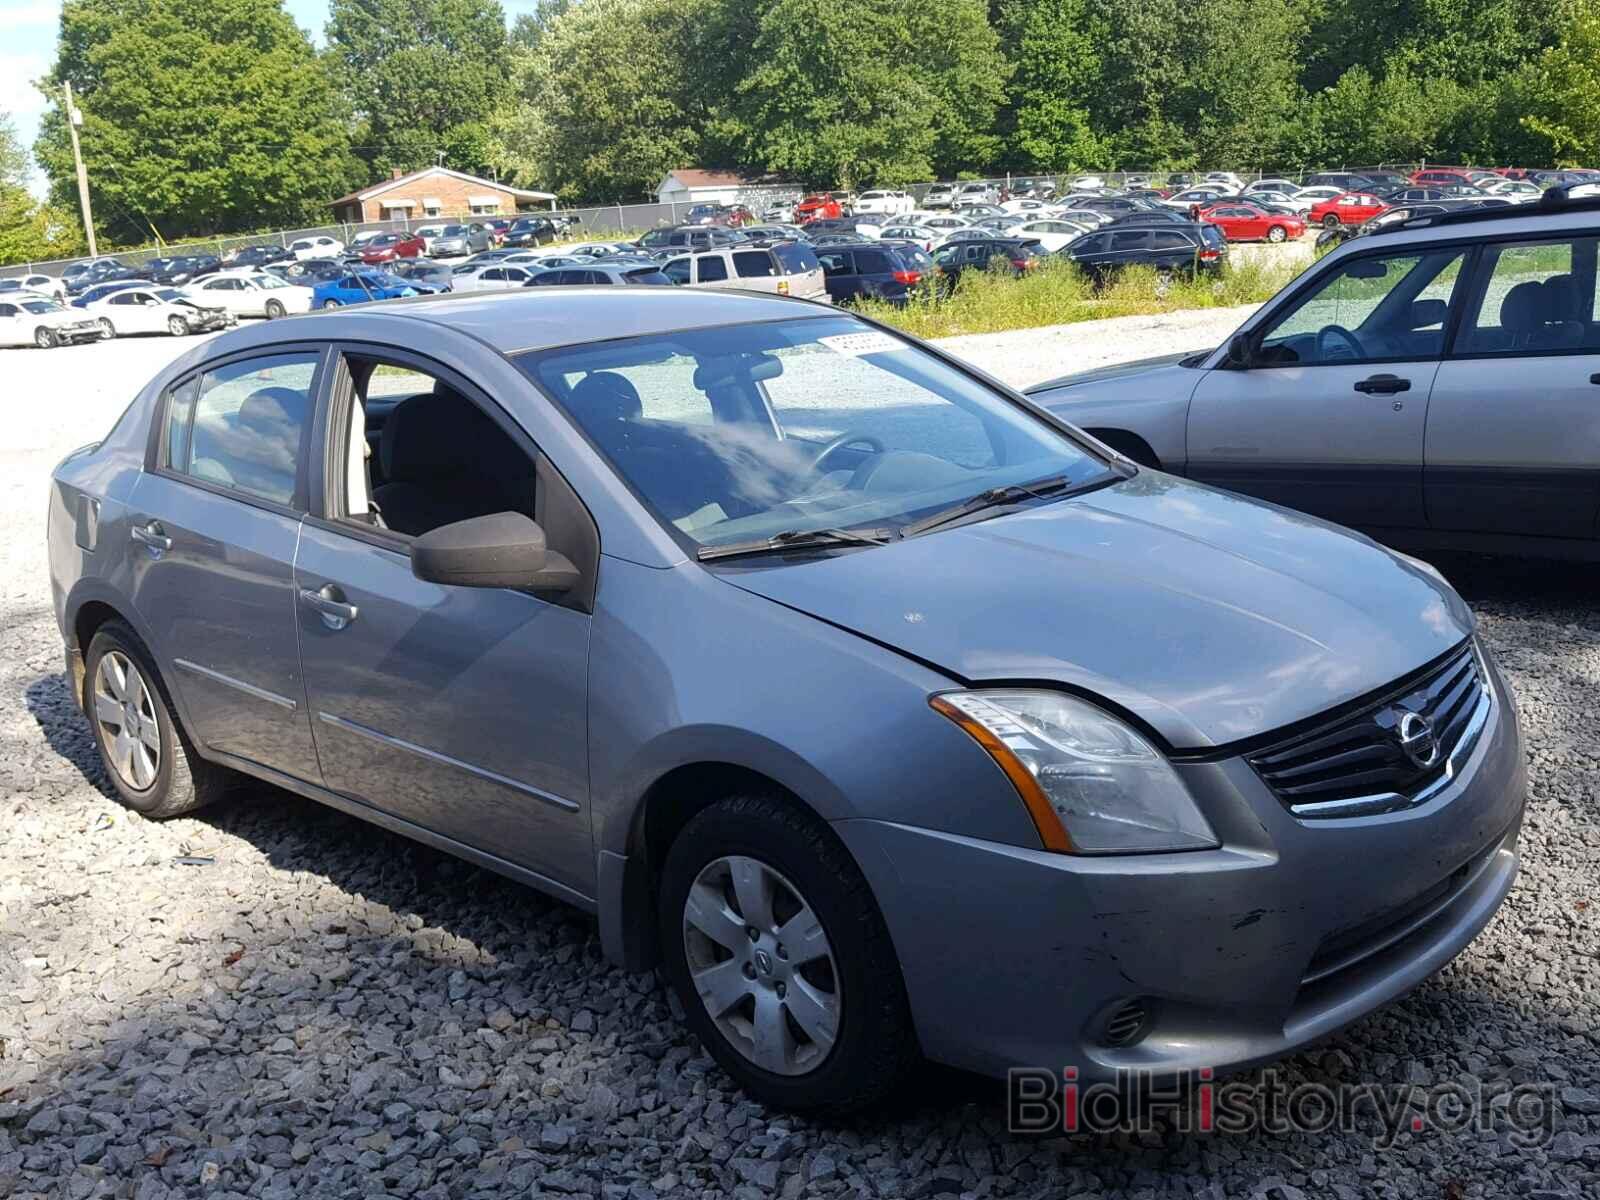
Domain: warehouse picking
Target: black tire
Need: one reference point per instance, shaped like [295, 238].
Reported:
[274, 310]
[44, 337]
[875, 1047]
[1331, 221]
[183, 780]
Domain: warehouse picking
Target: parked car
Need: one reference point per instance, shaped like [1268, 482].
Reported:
[884, 202]
[495, 276]
[1348, 208]
[882, 270]
[434, 275]
[497, 228]
[360, 241]
[461, 239]
[603, 274]
[1283, 201]
[773, 231]
[360, 286]
[1227, 180]
[314, 270]
[818, 206]
[171, 269]
[100, 291]
[250, 294]
[387, 247]
[789, 486]
[33, 320]
[940, 195]
[1517, 191]
[1283, 187]
[153, 309]
[78, 276]
[427, 233]
[530, 231]
[1169, 249]
[1439, 379]
[1190, 200]
[1018, 255]
[945, 222]
[33, 281]
[316, 246]
[689, 237]
[1242, 222]
[1052, 233]
[783, 269]
[731, 215]
[1088, 183]
[1456, 175]
[970, 194]
[925, 236]
[256, 256]
[1317, 193]
[1345, 181]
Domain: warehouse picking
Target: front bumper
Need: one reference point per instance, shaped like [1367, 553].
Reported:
[82, 331]
[1237, 956]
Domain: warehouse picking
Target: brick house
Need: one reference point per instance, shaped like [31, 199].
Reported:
[436, 192]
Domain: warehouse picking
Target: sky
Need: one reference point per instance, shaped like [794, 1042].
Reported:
[28, 42]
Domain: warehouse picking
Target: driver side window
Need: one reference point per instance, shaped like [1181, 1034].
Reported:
[1367, 310]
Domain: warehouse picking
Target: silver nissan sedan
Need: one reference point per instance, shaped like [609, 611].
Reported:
[888, 714]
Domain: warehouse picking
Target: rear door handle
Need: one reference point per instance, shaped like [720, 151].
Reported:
[151, 534]
[1383, 385]
[336, 612]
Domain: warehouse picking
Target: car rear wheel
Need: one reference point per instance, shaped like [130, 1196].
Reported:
[1277, 234]
[330, 302]
[274, 309]
[774, 944]
[148, 757]
[177, 326]
[107, 329]
[44, 337]
[1330, 221]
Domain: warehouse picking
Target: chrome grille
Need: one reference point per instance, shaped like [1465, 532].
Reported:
[1374, 759]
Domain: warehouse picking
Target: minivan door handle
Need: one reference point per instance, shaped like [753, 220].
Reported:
[151, 534]
[1383, 385]
[336, 612]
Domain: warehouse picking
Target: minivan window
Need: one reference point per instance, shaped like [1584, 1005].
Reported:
[757, 460]
[245, 426]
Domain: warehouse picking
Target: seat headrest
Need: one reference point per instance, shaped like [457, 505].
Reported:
[1524, 308]
[605, 396]
[1560, 298]
[435, 433]
[268, 409]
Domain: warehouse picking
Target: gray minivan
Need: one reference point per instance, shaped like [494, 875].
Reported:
[889, 715]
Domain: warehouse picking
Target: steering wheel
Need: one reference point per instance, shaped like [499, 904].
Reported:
[1326, 352]
[847, 438]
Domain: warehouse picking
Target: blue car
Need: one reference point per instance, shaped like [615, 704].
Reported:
[360, 286]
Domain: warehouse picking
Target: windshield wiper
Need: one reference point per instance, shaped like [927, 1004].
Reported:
[993, 498]
[798, 539]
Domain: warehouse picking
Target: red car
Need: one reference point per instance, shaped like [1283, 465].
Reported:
[819, 207]
[1348, 208]
[387, 247]
[1462, 175]
[1241, 222]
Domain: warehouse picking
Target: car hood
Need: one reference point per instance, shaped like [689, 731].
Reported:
[1167, 363]
[1213, 617]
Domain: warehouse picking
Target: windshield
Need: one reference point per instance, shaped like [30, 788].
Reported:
[41, 306]
[453, 231]
[747, 431]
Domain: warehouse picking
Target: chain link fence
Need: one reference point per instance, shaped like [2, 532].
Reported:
[612, 220]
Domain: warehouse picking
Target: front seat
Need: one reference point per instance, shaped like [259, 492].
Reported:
[444, 460]
[606, 405]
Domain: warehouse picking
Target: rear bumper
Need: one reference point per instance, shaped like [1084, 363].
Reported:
[1291, 929]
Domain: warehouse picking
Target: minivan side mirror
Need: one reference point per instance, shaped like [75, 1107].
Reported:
[501, 550]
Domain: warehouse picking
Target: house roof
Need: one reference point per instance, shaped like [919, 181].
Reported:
[389, 185]
[693, 177]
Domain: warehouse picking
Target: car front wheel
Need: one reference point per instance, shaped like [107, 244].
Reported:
[177, 326]
[1330, 221]
[274, 310]
[107, 329]
[44, 337]
[147, 756]
[775, 946]
[330, 302]
[1276, 234]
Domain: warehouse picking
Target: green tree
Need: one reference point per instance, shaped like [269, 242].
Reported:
[200, 116]
[1561, 91]
[1240, 87]
[29, 231]
[1054, 46]
[424, 76]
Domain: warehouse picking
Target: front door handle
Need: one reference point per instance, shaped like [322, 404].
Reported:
[1383, 385]
[335, 610]
[151, 534]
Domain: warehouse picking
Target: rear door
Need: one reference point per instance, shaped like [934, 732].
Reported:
[1330, 417]
[1513, 443]
[213, 524]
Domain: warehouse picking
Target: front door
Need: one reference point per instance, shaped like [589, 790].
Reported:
[1514, 424]
[1329, 417]
[460, 710]
[213, 528]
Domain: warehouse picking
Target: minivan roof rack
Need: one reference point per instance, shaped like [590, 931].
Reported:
[1555, 202]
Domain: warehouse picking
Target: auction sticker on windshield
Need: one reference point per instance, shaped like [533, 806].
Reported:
[857, 344]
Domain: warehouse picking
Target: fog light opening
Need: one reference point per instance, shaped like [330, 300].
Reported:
[1127, 1024]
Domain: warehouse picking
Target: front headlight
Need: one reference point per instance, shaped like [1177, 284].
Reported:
[1091, 783]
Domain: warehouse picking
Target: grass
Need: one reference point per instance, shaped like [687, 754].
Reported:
[1058, 293]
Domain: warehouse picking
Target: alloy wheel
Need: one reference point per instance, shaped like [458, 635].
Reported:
[274, 310]
[43, 338]
[330, 303]
[762, 965]
[107, 329]
[177, 326]
[126, 713]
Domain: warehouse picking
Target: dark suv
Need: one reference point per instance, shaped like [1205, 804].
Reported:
[1184, 249]
[953, 258]
[530, 231]
[688, 237]
[879, 270]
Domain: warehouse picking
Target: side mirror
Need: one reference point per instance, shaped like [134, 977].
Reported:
[1427, 312]
[1239, 352]
[502, 550]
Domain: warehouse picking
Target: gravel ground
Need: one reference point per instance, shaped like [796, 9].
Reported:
[322, 1009]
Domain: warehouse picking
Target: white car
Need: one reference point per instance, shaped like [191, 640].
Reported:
[498, 276]
[1088, 183]
[1518, 191]
[974, 193]
[940, 195]
[155, 308]
[884, 203]
[427, 233]
[250, 294]
[1281, 199]
[1318, 193]
[1024, 204]
[42, 285]
[1227, 179]
[945, 222]
[926, 236]
[34, 320]
[1051, 233]
[1283, 186]
[320, 246]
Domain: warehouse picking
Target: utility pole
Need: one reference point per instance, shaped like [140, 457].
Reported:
[74, 119]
